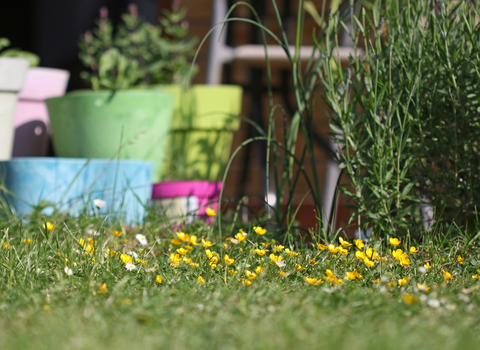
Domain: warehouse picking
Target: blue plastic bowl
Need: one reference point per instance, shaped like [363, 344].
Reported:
[72, 184]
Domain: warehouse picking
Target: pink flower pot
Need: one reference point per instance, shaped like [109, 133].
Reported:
[179, 198]
[32, 124]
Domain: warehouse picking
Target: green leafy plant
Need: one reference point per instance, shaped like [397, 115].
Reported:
[137, 53]
[406, 113]
[12, 52]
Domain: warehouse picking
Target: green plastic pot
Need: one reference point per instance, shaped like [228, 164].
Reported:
[128, 124]
[205, 119]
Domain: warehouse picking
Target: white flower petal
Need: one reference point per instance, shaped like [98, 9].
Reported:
[99, 203]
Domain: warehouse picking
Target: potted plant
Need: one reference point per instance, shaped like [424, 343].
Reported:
[149, 60]
[13, 69]
[118, 118]
[200, 142]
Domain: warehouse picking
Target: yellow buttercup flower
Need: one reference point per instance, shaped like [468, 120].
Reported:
[360, 255]
[182, 251]
[206, 244]
[299, 267]
[251, 275]
[183, 236]
[391, 284]
[241, 236]
[117, 233]
[275, 258]
[292, 253]
[332, 278]
[404, 260]
[176, 241]
[447, 275]
[321, 246]
[333, 249]
[372, 254]
[49, 226]
[126, 258]
[158, 279]
[27, 241]
[209, 254]
[427, 266]
[175, 259]
[232, 272]
[210, 212]
[102, 287]
[376, 281]
[344, 243]
[460, 260]
[200, 280]
[397, 254]
[228, 260]
[259, 231]
[353, 275]
[395, 241]
[111, 252]
[475, 277]
[350, 276]
[313, 281]
[193, 240]
[403, 281]
[259, 269]
[413, 250]
[284, 274]
[260, 252]
[246, 282]
[409, 299]
[343, 251]
[368, 262]
[423, 287]
[359, 243]
[278, 248]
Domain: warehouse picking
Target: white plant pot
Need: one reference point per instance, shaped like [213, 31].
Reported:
[12, 77]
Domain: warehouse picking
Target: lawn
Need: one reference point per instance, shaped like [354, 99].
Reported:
[82, 283]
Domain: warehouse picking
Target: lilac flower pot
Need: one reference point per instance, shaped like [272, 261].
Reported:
[32, 124]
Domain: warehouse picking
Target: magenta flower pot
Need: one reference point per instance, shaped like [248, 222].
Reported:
[32, 124]
[191, 198]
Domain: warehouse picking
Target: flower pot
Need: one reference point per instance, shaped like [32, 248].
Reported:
[31, 118]
[71, 185]
[128, 124]
[202, 131]
[180, 198]
[12, 77]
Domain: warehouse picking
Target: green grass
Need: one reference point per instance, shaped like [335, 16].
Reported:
[52, 310]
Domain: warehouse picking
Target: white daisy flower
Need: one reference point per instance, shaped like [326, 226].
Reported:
[234, 240]
[132, 254]
[433, 303]
[141, 239]
[99, 203]
[93, 232]
[129, 266]
[68, 271]
[281, 264]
